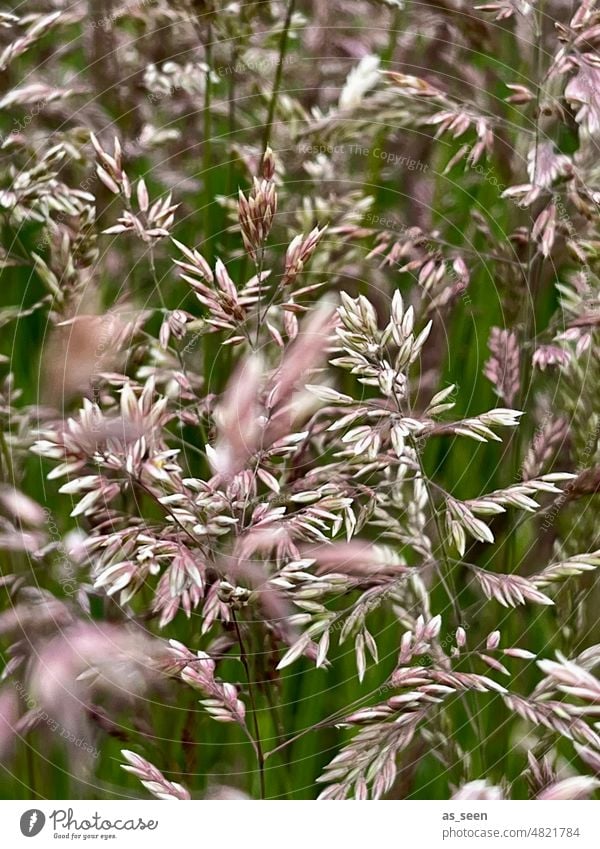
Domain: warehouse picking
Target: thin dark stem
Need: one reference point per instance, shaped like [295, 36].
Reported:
[445, 573]
[376, 163]
[528, 321]
[259, 271]
[278, 74]
[258, 749]
[231, 116]
[157, 500]
[330, 721]
[298, 736]
[207, 141]
[31, 770]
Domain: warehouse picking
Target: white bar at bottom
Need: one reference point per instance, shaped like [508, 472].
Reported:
[301, 825]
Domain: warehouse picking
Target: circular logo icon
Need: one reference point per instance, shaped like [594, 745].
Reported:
[32, 822]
